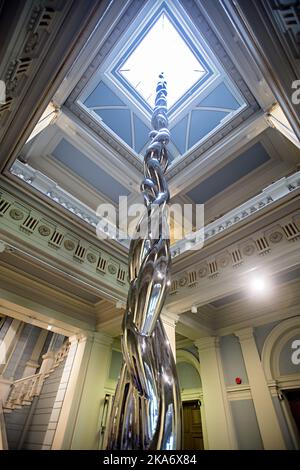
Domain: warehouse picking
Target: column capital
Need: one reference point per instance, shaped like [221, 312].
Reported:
[244, 334]
[92, 336]
[102, 338]
[79, 337]
[32, 364]
[48, 355]
[169, 318]
[207, 342]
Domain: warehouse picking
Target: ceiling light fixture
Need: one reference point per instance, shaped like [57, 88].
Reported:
[258, 285]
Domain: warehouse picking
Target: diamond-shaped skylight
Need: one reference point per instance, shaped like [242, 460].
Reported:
[162, 49]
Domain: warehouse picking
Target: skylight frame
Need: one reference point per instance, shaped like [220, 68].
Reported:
[146, 17]
[115, 71]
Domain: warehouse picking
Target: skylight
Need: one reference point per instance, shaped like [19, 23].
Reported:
[162, 49]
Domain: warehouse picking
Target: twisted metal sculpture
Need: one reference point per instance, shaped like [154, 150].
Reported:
[146, 412]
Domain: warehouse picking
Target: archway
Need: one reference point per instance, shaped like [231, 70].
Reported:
[283, 376]
[194, 425]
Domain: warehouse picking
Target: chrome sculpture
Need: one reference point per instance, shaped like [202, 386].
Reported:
[146, 412]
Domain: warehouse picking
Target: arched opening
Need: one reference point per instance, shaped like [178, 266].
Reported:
[281, 363]
[193, 427]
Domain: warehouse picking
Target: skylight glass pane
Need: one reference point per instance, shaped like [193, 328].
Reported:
[162, 50]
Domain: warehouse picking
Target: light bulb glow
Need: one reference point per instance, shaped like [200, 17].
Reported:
[258, 285]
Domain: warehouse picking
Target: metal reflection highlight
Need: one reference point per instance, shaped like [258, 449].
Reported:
[146, 412]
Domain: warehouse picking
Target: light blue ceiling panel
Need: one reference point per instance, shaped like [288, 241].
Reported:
[122, 99]
[141, 134]
[178, 135]
[170, 157]
[220, 97]
[248, 161]
[119, 121]
[203, 122]
[82, 166]
[102, 96]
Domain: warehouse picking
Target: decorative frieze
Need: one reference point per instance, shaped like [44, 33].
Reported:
[268, 196]
[292, 232]
[45, 235]
[262, 245]
[48, 187]
[42, 19]
[259, 244]
[236, 257]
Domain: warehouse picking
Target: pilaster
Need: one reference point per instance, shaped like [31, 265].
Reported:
[8, 342]
[169, 321]
[32, 365]
[219, 425]
[266, 415]
[78, 425]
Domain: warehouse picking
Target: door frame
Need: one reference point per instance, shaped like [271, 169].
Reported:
[193, 394]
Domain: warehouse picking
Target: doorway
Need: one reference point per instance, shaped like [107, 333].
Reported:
[293, 397]
[192, 426]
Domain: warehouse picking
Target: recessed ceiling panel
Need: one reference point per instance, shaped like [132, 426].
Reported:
[118, 117]
[86, 169]
[242, 165]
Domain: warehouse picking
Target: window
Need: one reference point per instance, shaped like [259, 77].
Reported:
[162, 49]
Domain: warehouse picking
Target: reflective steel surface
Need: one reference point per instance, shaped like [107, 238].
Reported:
[146, 413]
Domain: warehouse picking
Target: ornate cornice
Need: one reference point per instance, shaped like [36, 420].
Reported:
[40, 23]
[29, 227]
[49, 188]
[245, 334]
[42, 40]
[213, 42]
[272, 240]
[269, 195]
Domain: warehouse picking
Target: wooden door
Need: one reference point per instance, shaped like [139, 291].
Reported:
[192, 426]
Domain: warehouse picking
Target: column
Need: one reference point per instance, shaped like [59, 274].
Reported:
[266, 415]
[6, 348]
[32, 365]
[169, 321]
[79, 421]
[219, 425]
[8, 342]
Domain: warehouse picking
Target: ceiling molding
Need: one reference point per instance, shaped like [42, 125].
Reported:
[225, 271]
[217, 155]
[44, 238]
[34, 289]
[122, 149]
[39, 54]
[239, 54]
[218, 235]
[256, 26]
